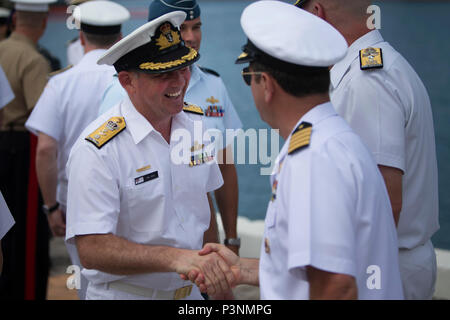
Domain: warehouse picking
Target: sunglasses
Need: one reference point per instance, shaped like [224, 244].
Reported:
[300, 3]
[247, 75]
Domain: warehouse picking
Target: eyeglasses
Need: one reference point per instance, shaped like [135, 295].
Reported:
[300, 3]
[247, 75]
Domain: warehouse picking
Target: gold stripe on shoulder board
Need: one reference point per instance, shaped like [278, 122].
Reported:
[300, 138]
[192, 108]
[107, 131]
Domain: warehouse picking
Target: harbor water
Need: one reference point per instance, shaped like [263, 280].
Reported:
[416, 29]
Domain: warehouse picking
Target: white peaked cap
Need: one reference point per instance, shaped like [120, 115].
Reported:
[32, 5]
[292, 35]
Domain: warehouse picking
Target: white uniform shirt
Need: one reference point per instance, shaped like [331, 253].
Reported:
[6, 220]
[6, 93]
[68, 104]
[75, 52]
[109, 191]
[390, 109]
[331, 211]
[202, 87]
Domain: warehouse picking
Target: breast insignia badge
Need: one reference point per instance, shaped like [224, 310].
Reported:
[214, 110]
[300, 138]
[371, 58]
[107, 131]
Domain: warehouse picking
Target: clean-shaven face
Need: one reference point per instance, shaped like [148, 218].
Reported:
[164, 93]
[191, 32]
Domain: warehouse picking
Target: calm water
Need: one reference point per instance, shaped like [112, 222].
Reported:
[417, 30]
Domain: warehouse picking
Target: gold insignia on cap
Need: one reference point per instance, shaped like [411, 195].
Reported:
[54, 73]
[168, 37]
[165, 65]
[300, 138]
[266, 245]
[107, 131]
[192, 109]
[371, 58]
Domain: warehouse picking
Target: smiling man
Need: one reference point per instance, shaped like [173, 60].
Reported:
[136, 217]
[206, 90]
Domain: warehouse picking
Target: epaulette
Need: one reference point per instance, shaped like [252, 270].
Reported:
[192, 108]
[300, 137]
[107, 131]
[206, 70]
[371, 58]
[54, 73]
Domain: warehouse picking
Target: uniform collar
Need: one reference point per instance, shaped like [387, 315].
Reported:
[22, 38]
[196, 75]
[340, 69]
[137, 124]
[92, 56]
[140, 127]
[313, 116]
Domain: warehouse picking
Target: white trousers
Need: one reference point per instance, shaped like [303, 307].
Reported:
[418, 271]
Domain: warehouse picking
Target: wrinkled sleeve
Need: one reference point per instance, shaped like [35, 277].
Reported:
[321, 204]
[45, 116]
[93, 201]
[378, 117]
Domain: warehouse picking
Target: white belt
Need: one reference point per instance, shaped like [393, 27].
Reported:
[177, 294]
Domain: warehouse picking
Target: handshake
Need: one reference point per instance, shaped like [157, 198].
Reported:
[215, 270]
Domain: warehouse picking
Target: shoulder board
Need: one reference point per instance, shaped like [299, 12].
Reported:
[300, 137]
[192, 108]
[371, 58]
[54, 73]
[107, 131]
[210, 71]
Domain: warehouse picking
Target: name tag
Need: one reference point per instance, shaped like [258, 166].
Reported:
[147, 177]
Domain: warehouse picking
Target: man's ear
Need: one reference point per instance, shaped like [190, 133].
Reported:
[82, 39]
[126, 80]
[268, 84]
[319, 11]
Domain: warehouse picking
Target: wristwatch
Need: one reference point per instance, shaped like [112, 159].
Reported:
[233, 242]
[47, 210]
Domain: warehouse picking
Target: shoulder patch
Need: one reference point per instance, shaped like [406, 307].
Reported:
[300, 138]
[107, 131]
[371, 58]
[192, 108]
[210, 71]
[54, 73]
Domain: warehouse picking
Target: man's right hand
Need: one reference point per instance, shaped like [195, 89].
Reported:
[232, 260]
[57, 223]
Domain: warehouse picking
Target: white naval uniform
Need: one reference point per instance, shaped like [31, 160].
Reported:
[75, 52]
[68, 104]
[330, 211]
[6, 93]
[202, 87]
[170, 209]
[390, 109]
[6, 219]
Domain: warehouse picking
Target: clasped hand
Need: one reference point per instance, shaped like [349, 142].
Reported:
[216, 271]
